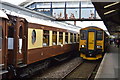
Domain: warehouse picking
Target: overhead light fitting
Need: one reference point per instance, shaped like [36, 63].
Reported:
[109, 12]
[111, 4]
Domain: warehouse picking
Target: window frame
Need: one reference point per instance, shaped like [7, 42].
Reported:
[33, 37]
[61, 36]
[56, 37]
[46, 34]
[100, 36]
[85, 35]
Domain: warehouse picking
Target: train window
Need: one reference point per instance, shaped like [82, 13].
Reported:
[71, 37]
[83, 35]
[10, 36]
[78, 38]
[74, 37]
[45, 38]
[66, 38]
[20, 32]
[61, 38]
[99, 35]
[54, 38]
[33, 36]
[10, 31]
[20, 40]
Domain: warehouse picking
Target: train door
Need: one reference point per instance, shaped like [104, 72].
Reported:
[21, 42]
[3, 46]
[91, 40]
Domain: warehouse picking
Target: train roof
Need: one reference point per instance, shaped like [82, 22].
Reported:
[57, 24]
[35, 17]
[3, 15]
[93, 27]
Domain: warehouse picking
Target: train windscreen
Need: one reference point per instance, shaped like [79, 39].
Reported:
[99, 35]
[83, 34]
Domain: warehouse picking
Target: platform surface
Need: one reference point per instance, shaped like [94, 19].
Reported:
[109, 65]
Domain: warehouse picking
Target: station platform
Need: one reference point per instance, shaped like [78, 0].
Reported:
[109, 65]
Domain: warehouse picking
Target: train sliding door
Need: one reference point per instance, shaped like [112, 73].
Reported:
[91, 40]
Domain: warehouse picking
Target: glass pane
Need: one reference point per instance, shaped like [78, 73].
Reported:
[54, 38]
[33, 36]
[61, 38]
[99, 35]
[45, 38]
[87, 13]
[66, 38]
[58, 5]
[58, 13]
[83, 34]
[32, 6]
[78, 38]
[86, 4]
[72, 13]
[45, 11]
[74, 37]
[72, 4]
[43, 5]
[71, 37]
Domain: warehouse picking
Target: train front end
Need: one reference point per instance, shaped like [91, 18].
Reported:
[91, 43]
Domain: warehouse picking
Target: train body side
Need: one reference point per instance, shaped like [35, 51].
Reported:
[29, 43]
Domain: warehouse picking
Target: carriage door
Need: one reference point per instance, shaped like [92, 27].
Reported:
[21, 43]
[91, 40]
[3, 46]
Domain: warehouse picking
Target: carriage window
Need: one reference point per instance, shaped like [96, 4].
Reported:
[45, 38]
[33, 36]
[99, 35]
[78, 38]
[10, 36]
[74, 37]
[66, 38]
[54, 38]
[61, 38]
[83, 35]
[10, 31]
[71, 37]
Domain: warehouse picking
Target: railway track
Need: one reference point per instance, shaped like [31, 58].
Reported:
[73, 69]
[84, 70]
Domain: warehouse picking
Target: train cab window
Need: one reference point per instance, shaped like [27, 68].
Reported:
[83, 35]
[54, 38]
[71, 37]
[33, 36]
[66, 38]
[45, 38]
[61, 38]
[99, 35]
[74, 37]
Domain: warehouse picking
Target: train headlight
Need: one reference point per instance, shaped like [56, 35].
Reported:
[82, 45]
[99, 46]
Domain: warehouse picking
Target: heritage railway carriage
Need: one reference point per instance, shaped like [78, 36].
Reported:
[29, 43]
[93, 43]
